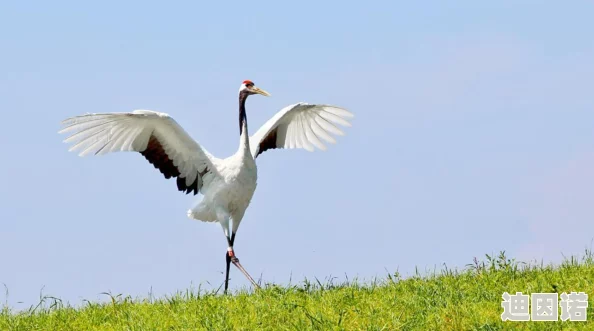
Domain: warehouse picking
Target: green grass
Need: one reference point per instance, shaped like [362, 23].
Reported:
[468, 299]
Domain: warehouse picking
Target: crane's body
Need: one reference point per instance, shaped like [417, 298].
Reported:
[227, 196]
[227, 185]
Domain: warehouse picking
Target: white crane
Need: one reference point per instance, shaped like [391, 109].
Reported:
[227, 185]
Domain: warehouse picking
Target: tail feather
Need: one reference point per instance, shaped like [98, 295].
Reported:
[202, 213]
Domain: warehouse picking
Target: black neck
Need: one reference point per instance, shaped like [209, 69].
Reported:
[242, 116]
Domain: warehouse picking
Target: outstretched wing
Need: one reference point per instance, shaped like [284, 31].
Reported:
[157, 136]
[300, 126]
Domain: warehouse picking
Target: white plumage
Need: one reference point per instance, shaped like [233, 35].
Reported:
[226, 184]
[302, 126]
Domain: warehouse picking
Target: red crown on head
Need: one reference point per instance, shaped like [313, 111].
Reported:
[248, 82]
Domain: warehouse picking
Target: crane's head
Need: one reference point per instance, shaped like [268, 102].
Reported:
[248, 87]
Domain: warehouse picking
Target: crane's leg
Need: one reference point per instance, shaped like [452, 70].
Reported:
[223, 218]
[236, 263]
[228, 266]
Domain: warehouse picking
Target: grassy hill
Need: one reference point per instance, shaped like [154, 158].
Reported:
[469, 299]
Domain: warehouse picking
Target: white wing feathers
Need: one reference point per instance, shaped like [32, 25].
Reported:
[300, 126]
[157, 136]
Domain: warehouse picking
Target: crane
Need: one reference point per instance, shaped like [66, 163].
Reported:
[227, 185]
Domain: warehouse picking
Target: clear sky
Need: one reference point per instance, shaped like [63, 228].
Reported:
[473, 134]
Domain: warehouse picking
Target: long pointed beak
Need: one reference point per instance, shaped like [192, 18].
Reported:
[260, 91]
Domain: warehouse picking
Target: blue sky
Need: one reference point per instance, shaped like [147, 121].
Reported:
[473, 134]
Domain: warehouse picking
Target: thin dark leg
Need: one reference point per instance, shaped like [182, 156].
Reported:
[228, 261]
[236, 263]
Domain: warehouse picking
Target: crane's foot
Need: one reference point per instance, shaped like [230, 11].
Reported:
[236, 263]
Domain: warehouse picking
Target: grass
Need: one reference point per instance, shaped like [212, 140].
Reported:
[468, 299]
